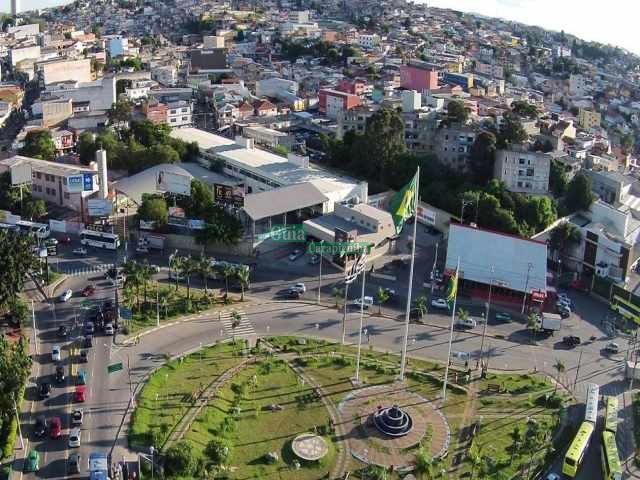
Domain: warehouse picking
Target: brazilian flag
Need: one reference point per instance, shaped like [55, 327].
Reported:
[452, 289]
[403, 204]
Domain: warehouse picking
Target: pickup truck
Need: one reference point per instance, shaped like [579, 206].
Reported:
[550, 322]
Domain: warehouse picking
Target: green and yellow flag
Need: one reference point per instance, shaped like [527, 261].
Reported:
[403, 204]
[452, 289]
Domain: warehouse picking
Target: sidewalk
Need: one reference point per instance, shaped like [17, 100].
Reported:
[626, 441]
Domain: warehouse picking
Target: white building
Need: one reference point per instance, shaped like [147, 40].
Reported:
[139, 89]
[23, 31]
[101, 94]
[118, 46]
[24, 53]
[369, 40]
[166, 75]
[490, 70]
[66, 70]
[179, 113]
[523, 171]
[579, 85]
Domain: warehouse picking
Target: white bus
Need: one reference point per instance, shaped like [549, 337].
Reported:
[591, 403]
[99, 239]
[40, 230]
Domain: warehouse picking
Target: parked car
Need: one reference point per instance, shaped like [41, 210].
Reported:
[88, 291]
[612, 347]
[44, 390]
[503, 317]
[77, 416]
[80, 393]
[440, 303]
[571, 341]
[74, 438]
[33, 462]
[390, 291]
[59, 373]
[73, 463]
[63, 331]
[65, 239]
[89, 328]
[82, 377]
[55, 353]
[88, 341]
[66, 295]
[292, 294]
[55, 427]
[366, 302]
[296, 254]
[298, 287]
[142, 250]
[314, 259]
[564, 310]
[552, 476]
[40, 428]
[466, 323]
[81, 251]
[108, 329]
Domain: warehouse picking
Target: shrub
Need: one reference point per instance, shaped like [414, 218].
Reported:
[219, 450]
[8, 436]
[181, 460]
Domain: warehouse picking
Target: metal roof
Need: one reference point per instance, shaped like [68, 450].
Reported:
[282, 200]
[490, 257]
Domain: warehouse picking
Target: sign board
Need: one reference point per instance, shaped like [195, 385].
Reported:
[125, 313]
[52, 250]
[195, 224]
[96, 227]
[178, 222]
[21, 174]
[82, 182]
[173, 183]
[145, 225]
[177, 212]
[99, 208]
[426, 216]
[114, 367]
[229, 195]
[42, 252]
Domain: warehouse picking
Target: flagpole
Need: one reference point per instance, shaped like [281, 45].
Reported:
[344, 313]
[453, 316]
[364, 272]
[403, 360]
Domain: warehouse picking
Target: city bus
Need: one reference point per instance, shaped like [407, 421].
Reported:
[611, 414]
[611, 468]
[579, 446]
[93, 238]
[625, 308]
[40, 230]
[591, 403]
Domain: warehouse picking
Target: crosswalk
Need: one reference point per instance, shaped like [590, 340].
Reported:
[244, 329]
[84, 270]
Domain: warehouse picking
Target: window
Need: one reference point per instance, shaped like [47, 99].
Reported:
[173, 120]
[184, 119]
[446, 137]
[47, 190]
[53, 191]
[185, 110]
[519, 184]
[521, 161]
[520, 173]
[528, 185]
[38, 175]
[530, 172]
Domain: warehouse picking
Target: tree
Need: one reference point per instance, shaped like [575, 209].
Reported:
[337, 294]
[154, 209]
[9, 195]
[533, 324]
[242, 274]
[511, 131]
[457, 112]
[579, 196]
[382, 142]
[120, 113]
[382, 296]
[558, 180]
[220, 227]
[38, 144]
[227, 272]
[483, 154]
[536, 212]
[181, 459]
[34, 209]
[200, 200]
[421, 304]
[559, 368]
[564, 237]
[524, 109]
[187, 267]
[175, 262]
[18, 260]
[206, 270]
[218, 450]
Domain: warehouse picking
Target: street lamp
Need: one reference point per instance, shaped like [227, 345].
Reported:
[526, 286]
[320, 273]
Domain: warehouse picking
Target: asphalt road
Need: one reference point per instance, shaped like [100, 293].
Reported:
[106, 408]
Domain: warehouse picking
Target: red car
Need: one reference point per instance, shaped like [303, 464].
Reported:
[80, 393]
[65, 239]
[55, 427]
[88, 291]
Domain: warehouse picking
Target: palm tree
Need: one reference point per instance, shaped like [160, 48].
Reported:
[189, 265]
[205, 269]
[421, 304]
[227, 272]
[383, 297]
[145, 273]
[559, 368]
[176, 264]
[532, 324]
[564, 237]
[236, 318]
[242, 275]
[133, 278]
[463, 314]
[338, 294]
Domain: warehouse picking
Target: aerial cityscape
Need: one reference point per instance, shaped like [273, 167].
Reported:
[300, 240]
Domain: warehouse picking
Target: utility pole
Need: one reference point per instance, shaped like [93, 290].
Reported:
[433, 271]
[35, 330]
[575, 381]
[526, 287]
[486, 320]
[344, 312]
[320, 274]
[157, 305]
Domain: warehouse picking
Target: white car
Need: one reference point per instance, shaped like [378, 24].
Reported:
[298, 287]
[612, 347]
[439, 303]
[55, 353]
[76, 416]
[66, 295]
[80, 251]
[296, 254]
[108, 329]
[552, 476]
[74, 438]
[368, 302]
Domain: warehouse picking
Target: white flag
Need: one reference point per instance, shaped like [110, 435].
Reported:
[356, 269]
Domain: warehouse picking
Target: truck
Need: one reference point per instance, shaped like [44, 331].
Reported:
[550, 322]
[98, 466]
[155, 242]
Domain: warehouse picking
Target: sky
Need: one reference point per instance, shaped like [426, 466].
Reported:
[5, 5]
[611, 21]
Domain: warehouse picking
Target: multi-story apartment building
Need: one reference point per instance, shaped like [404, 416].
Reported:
[179, 114]
[419, 76]
[587, 119]
[523, 171]
[333, 103]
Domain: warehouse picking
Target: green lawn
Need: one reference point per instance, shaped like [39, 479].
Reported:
[254, 432]
[168, 393]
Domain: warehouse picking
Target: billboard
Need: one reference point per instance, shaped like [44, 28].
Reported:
[82, 182]
[173, 183]
[229, 195]
[177, 212]
[100, 208]
[144, 225]
[21, 174]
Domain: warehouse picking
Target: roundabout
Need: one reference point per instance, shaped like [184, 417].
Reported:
[309, 447]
